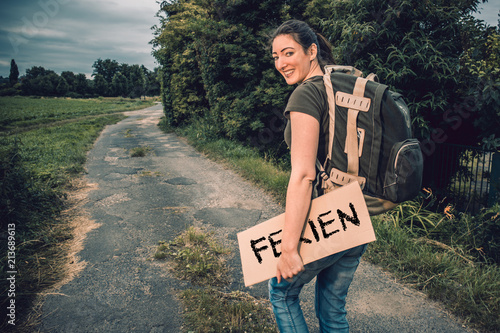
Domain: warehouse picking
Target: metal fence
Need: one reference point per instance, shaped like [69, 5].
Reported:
[468, 177]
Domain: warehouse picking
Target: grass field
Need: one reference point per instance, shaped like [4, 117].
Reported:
[43, 147]
[19, 113]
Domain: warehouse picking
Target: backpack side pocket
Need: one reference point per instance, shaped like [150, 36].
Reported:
[403, 177]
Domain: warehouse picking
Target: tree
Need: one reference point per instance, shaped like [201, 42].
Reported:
[107, 68]
[215, 66]
[81, 85]
[480, 68]
[62, 87]
[100, 85]
[37, 71]
[152, 82]
[46, 85]
[119, 85]
[14, 73]
[70, 78]
[428, 51]
[136, 81]
[39, 81]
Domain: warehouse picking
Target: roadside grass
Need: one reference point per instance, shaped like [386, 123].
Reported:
[469, 289]
[212, 310]
[198, 257]
[58, 153]
[453, 258]
[128, 133]
[43, 147]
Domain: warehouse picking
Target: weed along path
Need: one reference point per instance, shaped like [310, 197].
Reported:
[136, 202]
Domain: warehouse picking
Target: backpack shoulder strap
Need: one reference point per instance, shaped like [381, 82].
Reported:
[327, 79]
[352, 146]
[354, 103]
[359, 92]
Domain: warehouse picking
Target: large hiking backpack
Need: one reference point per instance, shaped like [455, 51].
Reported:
[370, 140]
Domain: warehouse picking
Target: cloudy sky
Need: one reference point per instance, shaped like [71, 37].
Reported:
[70, 35]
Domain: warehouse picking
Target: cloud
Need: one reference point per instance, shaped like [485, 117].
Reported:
[69, 35]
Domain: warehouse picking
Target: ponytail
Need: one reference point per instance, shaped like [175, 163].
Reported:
[324, 51]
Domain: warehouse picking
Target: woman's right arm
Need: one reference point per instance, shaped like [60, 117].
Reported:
[303, 150]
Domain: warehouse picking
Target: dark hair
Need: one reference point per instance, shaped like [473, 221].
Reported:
[304, 35]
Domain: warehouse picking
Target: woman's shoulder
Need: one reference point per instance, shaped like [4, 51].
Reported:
[315, 81]
[309, 97]
[312, 86]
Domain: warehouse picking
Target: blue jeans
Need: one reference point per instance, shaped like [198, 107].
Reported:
[334, 275]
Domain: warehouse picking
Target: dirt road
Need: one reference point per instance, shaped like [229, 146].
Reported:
[138, 201]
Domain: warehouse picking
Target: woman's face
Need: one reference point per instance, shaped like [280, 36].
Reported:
[291, 61]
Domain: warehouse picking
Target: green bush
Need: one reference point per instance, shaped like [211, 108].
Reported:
[216, 68]
[216, 65]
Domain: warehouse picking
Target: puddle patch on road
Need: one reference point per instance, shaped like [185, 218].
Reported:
[180, 181]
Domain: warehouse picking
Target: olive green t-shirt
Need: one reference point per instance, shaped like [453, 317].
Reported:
[310, 98]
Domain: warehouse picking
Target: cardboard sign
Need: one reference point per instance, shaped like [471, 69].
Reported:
[337, 221]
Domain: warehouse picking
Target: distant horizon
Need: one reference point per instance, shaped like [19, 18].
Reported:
[88, 75]
[70, 35]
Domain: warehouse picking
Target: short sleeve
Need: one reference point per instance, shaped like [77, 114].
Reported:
[310, 98]
[306, 99]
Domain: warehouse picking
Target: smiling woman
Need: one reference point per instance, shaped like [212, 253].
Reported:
[299, 55]
[293, 62]
[299, 50]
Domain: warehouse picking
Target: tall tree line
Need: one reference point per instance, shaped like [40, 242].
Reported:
[114, 79]
[216, 68]
[109, 79]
